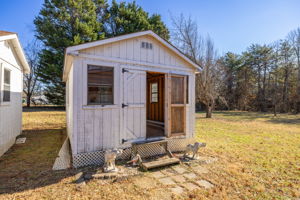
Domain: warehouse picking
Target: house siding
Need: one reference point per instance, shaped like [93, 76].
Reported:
[10, 113]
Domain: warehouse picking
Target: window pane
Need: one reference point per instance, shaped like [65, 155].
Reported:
[153, 87]
[177, 86]
[98, 75]
[6, 76]
[6, 93]
[154, 98]
[100, 85]
[154, 92]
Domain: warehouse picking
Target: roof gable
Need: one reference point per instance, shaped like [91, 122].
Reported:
[164, 43]
[18, 50]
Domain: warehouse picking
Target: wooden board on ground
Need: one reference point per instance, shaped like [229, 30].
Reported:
[160, 163]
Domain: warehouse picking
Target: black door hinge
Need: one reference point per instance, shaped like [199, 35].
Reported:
[124, 70]
[124, 105]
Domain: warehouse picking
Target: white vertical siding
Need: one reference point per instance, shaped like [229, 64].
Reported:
[131, 50]
[96, 128]
[69, 104]
[190, 109]
[10, 113]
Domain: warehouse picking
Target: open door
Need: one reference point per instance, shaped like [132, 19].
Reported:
[177, 85]
[155, 105]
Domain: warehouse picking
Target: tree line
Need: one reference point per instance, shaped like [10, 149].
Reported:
[262, 78]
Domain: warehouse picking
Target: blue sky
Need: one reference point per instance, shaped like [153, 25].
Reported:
[233, 24]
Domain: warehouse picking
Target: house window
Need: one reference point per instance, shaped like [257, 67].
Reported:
[6, 86]
[100, 85]
[154, 92]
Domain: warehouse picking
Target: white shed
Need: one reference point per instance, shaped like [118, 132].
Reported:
[12, 66]
[130, 88]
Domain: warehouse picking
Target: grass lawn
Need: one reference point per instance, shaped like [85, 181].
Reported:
[258, 158]
[259, 154]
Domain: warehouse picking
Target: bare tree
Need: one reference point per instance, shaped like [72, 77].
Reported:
[31, 83]
[207, 80]
[294, 38]
[186, 37]
[287, 67]
[274, 88]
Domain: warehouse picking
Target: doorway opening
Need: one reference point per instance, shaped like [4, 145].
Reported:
[155, 104]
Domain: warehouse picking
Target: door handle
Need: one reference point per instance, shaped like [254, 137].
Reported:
[124, 105]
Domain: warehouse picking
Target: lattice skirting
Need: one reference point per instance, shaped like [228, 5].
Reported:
[97, 158]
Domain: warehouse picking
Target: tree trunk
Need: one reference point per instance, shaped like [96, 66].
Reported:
[285, 98]
[28, 98]
[275, 112]
[208, 111]
[298, 87]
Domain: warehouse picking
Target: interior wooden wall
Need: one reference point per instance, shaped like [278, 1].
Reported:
[155, 111]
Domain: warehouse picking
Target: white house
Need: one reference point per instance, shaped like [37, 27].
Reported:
[12, 66]
[130, 88]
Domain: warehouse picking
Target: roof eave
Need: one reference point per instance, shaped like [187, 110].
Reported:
[21, 54]
[19, 50]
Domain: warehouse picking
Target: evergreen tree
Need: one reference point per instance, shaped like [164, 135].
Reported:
[62, 23]
[230, 64]
[129, 17]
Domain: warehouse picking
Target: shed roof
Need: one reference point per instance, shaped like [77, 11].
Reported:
[74, 49]
[5, 35]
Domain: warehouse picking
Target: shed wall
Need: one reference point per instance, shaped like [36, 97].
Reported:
[94, 128]
[10, 112]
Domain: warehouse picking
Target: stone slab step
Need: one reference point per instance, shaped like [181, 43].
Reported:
[160, 163]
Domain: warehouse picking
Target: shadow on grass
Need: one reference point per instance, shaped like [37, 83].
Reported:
[253, 116]
[29, 165]
[43, 108]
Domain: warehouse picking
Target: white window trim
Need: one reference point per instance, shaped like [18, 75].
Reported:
[3, 103]
[115, 67]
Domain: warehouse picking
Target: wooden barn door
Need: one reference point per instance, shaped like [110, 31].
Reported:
[134, 103]
[177, 102]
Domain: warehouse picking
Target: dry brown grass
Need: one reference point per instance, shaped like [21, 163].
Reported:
[259, 154]
[42, 120]
[258, 158]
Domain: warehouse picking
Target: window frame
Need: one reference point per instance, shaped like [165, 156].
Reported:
[2, 67]
[187, 100]
[151, 92]
[87, 85]
[7, 85]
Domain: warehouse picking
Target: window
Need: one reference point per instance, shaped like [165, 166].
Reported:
[154, 92]
[146, 45]
[100, 85]
[6, 86]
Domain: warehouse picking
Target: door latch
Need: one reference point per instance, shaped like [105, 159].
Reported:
[124, 105]
[124, 70]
